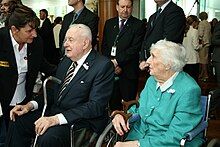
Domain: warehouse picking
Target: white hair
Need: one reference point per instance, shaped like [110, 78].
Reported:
[83, 30]
[172, 54]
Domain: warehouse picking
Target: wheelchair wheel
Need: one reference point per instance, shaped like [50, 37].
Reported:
[108, 138]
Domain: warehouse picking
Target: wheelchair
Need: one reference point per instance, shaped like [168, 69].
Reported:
[109, 136]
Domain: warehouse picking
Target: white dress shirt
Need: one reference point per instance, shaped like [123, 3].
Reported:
[22, 67]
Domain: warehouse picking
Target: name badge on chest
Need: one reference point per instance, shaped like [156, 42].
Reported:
[113, 51]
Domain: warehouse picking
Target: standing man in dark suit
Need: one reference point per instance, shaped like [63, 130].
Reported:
[122, 38]
[21, 58]
[80, 15]
[84, 95]
[167, 23]
[5, 9]
[46, 33]
[216, 51]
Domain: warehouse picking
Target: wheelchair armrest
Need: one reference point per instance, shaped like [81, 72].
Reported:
[134, 118]
[190, 135]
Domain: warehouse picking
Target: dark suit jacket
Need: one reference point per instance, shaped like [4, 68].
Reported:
[128, 46]
[87, 95]
[170, 24]
[216, 43]
[9, 73]
[86, 17]
[46, 33]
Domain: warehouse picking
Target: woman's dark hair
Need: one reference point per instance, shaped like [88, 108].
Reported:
[21, 16]
[189, 20]
[57, 20]
[203, 16]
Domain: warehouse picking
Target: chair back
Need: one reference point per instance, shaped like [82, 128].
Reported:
[205, 103]
[202, 127]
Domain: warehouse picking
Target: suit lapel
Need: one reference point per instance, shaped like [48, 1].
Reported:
[161, 14]
[10, 50]
[69, 20]
[152, 22]
[115, 27]
[81, 72]
[29, 56]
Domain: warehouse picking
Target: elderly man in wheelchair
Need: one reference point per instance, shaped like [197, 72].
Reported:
[169, 103]
[82, 92]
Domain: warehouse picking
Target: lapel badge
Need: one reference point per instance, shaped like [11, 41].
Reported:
[171, 91]
[86, 66]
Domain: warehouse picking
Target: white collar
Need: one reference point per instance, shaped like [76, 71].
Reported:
[121, 19]
[168, 83]
[15, 43]
[164, 5]
[82, 60]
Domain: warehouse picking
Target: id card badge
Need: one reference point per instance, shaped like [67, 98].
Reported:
[113, 52]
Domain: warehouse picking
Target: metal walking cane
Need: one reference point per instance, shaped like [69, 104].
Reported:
[50, 78]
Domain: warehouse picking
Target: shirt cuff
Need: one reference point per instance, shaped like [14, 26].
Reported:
[116, 62]
[35, 104]
[62, 119]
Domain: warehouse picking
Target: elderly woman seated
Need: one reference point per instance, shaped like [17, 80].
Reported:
[169, 103]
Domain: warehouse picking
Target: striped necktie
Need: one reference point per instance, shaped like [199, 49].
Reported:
[68, 77]
[122, 24]
[74, 17]
[158, 13]
[156, 16]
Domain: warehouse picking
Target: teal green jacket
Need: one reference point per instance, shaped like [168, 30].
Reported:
[166, 116]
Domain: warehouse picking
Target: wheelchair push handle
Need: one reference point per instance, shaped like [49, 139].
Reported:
[129, 104]
[126, 106]
[50, 78]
